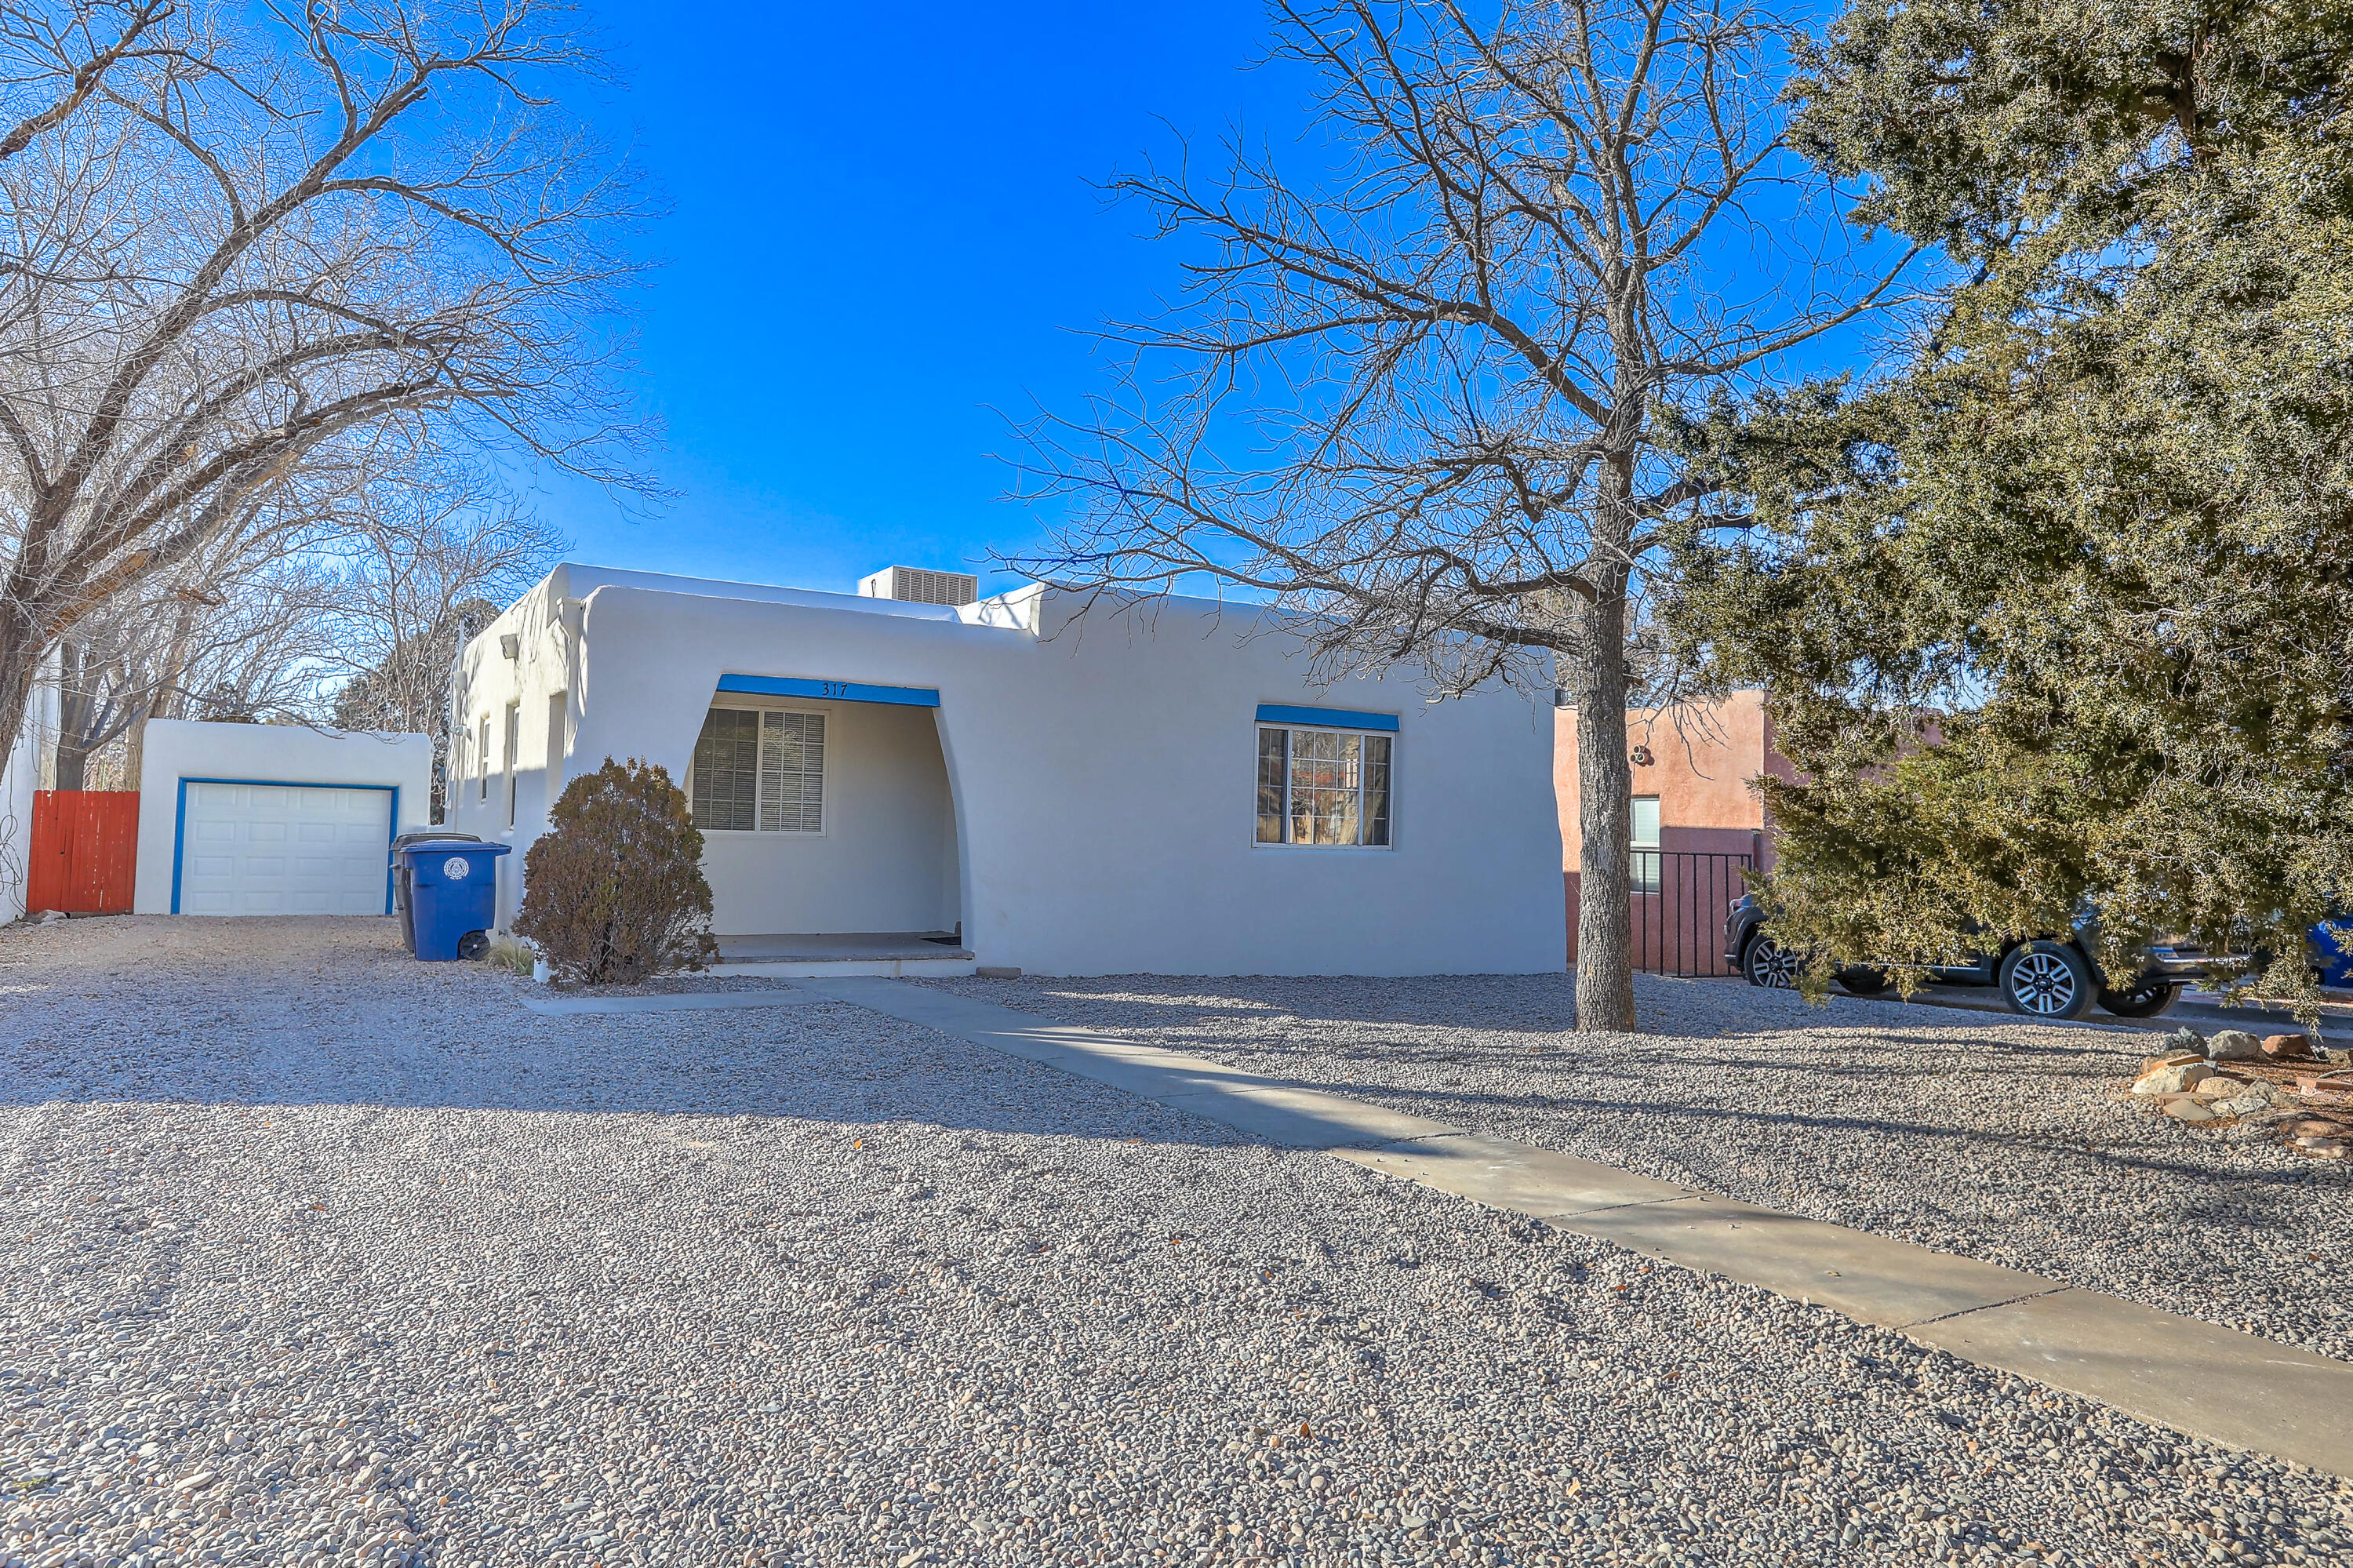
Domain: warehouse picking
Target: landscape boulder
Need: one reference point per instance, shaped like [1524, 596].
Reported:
[2235, 1046]
[2287, 1047]
[2172, 1079]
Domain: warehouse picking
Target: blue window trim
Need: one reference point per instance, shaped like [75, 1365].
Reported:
[180, 821]
[1327, 718]
[830, 691]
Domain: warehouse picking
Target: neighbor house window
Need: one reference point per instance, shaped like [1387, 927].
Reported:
[1324, 788]
[759, 771]
[1645, 867]
[485, 758]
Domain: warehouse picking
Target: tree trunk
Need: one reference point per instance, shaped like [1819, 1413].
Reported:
[1605, 790]
[134, 744]
[74, 703]
[73, 763]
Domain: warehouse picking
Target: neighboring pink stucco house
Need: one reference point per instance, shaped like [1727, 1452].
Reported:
[1695, 808]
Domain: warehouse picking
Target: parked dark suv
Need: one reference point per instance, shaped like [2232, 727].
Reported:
[2043, 978]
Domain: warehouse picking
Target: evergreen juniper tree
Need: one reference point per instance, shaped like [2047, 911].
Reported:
[2061, 616]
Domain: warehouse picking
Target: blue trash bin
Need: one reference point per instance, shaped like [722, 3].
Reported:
[453, 897]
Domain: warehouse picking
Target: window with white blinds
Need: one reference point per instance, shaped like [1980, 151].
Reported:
[759, 770]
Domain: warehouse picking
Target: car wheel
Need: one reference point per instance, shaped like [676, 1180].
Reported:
[1766, 965]
[2143, 1000]
[1861, 980]
[2045, 980]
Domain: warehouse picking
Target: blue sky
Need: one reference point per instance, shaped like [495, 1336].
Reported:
[880, 226]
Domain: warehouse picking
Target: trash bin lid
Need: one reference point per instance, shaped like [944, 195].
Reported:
[422, 849]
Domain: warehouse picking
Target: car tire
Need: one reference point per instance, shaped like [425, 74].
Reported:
[2047, 979]
[1765, 964]
[2148, 1001]
[1861, 980]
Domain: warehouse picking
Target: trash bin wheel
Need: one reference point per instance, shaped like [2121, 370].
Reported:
[473, 945]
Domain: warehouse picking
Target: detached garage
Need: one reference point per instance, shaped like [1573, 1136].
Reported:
[242, 819]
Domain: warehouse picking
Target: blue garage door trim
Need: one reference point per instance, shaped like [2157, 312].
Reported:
[180, 823]
[830, 691]
[1329, 718]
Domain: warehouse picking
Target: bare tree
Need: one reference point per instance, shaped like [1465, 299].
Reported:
[1421, 403]
[352, 620]
[251, 648]
[431, 569]
[250, 260]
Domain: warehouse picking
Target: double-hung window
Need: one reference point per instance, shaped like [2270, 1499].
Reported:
[1646, 859]
[1324, 789]
[759, 770]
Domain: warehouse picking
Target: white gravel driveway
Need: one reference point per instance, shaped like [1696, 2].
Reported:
[1985, 1136]
[312, 1255]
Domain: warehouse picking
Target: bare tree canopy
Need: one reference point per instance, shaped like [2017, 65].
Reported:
[356, 627]
[1426, 403]
[256, 260]
[431, 568]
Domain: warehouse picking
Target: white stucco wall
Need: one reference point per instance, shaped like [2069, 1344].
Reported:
[175, 749]
[1102, 772]
[25, 768]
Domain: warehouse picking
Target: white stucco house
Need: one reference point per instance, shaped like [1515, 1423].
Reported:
[1010, 782]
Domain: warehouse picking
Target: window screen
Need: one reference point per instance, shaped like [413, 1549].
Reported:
[1324, 788]
[759, 771]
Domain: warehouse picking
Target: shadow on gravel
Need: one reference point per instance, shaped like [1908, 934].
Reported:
[831, 1064]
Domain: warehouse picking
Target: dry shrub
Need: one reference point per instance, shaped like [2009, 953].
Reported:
[614, 891]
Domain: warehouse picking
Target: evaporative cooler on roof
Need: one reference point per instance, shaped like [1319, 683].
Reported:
[919, 587]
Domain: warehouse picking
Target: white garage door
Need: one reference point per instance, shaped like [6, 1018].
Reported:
[282, 849]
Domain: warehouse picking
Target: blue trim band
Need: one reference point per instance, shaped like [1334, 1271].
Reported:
[830, 691]
[180, 821]
[1328, 718]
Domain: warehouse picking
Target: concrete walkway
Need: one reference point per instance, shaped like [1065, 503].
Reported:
[2219, 1383]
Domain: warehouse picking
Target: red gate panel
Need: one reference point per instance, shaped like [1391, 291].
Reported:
[85, 849]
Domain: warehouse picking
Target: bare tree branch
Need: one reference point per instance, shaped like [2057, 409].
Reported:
[243, 274]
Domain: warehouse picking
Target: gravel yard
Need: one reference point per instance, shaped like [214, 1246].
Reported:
[2002, 1141]
[311, 1254]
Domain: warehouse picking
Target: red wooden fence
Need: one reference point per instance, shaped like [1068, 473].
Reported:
[84, 846]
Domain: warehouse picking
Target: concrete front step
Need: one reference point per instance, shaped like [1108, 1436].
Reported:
[951, 965]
